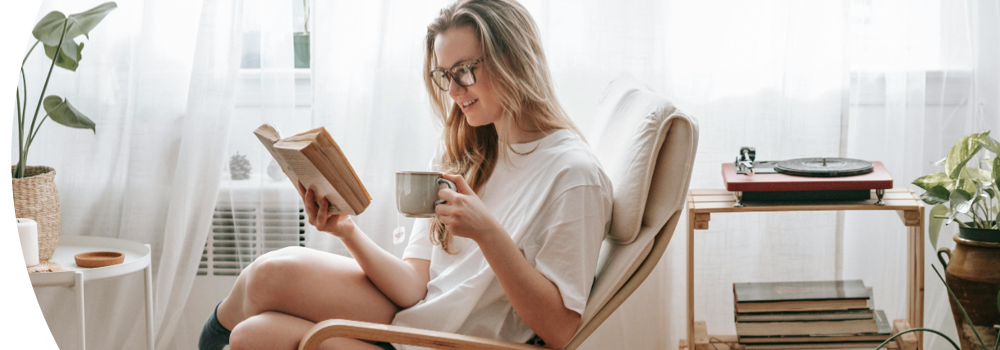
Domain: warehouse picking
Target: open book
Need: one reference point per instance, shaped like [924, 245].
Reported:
[313, 158]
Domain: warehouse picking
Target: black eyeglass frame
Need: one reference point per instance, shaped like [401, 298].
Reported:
[453, 71]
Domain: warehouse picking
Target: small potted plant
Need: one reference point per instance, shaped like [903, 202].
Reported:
[301, 40]
[35, 194]
[967, 194]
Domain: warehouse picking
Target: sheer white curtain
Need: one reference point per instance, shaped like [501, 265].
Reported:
[894, 81]
[157, 77]
[368, 91]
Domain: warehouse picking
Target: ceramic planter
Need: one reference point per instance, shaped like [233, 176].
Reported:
[972, 271]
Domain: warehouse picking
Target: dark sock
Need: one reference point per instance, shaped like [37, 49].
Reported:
[213, 335]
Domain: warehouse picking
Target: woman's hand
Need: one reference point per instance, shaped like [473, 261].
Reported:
[338, 225]
[464, 214]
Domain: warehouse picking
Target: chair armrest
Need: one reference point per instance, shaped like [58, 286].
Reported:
[401, 335]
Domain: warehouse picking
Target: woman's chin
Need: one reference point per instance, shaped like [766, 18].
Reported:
[474, 121]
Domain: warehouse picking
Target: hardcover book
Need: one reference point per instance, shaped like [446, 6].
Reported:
[836, 315]
[313, 158]
[875, 329]
[770, 297]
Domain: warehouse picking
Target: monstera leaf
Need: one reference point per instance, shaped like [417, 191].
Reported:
[64, 60]
[62, 112]
[50, 28]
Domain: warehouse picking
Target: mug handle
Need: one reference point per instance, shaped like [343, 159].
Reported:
[946, 251]
[450, 185]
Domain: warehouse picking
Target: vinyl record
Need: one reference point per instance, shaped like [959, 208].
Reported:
[824, 167]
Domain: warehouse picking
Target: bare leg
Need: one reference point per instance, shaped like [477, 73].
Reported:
[309, 284]
[278, 331]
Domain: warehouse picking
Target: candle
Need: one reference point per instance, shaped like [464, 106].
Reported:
[27, 231]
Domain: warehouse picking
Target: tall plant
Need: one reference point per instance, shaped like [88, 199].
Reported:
[961, 190]
[55, 32]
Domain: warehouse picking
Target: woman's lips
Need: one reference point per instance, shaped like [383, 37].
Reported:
[465, 105]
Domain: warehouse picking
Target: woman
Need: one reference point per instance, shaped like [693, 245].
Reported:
[510, 256]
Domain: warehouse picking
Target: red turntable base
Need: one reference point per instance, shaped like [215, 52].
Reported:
[878, 179]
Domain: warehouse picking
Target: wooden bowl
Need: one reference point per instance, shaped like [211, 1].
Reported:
[99, 259]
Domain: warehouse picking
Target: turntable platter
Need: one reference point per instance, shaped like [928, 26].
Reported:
[824, 167]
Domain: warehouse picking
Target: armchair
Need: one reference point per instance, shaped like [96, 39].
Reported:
[647, 148]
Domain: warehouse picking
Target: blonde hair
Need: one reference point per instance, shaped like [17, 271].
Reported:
[513, 58]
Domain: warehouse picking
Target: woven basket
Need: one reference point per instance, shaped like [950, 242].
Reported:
[36, 198]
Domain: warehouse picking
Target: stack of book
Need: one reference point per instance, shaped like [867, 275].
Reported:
[808, 315]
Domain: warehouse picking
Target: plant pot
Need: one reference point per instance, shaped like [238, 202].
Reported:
[302, 53]
[36, 198]
[973, 274]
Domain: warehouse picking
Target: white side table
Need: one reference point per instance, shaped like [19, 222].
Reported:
[137, 258]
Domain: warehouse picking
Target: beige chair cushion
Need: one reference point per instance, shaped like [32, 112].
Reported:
[647, 148]
[630, 127]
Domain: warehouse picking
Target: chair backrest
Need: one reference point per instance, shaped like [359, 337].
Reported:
[647, 148]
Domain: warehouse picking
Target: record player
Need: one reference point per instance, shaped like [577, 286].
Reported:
[822, 179]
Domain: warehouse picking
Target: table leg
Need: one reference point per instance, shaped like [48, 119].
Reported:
[690, 280]
[915, 277]
[149, 306]
[78, 281]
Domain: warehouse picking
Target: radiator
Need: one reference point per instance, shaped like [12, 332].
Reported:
[241, 232]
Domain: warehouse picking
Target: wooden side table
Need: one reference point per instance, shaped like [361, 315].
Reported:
[702, 203]
[137, 258]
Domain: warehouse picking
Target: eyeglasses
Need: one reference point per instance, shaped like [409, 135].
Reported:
[462, 74]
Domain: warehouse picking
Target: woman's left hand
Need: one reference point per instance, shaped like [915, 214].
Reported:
[464, 214]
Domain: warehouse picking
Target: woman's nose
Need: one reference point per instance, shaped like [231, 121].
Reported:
[455, 90]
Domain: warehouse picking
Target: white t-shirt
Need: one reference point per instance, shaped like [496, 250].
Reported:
[555, 203]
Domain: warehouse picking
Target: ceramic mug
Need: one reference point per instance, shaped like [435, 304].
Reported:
[417, 192]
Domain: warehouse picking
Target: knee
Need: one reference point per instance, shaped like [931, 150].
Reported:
[270, 279]
[245, 336]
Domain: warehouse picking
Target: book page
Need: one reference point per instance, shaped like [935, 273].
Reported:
[268, 136]
[312, 178]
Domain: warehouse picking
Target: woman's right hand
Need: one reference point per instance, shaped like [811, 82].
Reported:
[338, 225]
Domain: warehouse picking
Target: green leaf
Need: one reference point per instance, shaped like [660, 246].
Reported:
[960, 203]
[989, 143]
[987, 161]
[975, 174]
[936, 195]
[84, 22]
[927, 182]
[961, 153]
[62, 112]
[996, 170]
[49, 30]
[934, 226]
[65, 60]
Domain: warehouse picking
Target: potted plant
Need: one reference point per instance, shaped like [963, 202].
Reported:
[301, 40]
[35, 194]
[969, 196]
